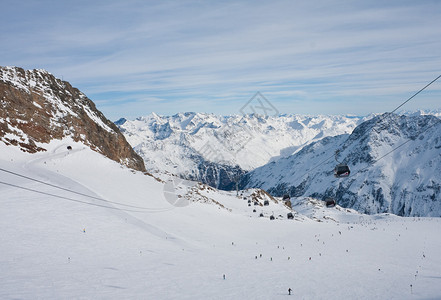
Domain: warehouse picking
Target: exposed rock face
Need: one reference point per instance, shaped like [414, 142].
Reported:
[36, 108]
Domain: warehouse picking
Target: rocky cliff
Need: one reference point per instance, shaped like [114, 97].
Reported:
[36, 108]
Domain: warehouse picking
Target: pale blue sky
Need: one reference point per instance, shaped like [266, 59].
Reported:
[310, 57]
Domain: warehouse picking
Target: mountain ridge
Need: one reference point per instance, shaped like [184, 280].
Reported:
[395, 165]
[37, 107]
[217, 149]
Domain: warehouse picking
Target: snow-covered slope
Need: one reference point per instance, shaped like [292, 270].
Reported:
[404, 181]
[216, 149]
[124, 240]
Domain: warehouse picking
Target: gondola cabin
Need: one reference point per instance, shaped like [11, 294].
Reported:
[341, 170]
[330, 202]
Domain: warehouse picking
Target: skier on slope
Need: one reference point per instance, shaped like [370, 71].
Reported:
[289, 291]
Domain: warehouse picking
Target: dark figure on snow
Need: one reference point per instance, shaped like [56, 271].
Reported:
[289, 291]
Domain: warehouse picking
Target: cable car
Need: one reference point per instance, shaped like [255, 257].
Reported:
[330, 202]
[341, 170]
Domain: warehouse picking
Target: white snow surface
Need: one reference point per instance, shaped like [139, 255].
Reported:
[145, 248]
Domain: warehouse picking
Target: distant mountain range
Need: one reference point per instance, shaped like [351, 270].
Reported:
[294, 154]
[218, 149]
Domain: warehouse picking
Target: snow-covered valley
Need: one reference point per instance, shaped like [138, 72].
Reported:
[139, 246]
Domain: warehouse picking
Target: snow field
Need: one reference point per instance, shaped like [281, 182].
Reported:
[156, 251]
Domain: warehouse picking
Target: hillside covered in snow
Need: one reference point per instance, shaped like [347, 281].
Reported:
[395, 164]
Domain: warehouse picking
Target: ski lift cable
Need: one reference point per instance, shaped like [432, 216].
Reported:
[66, 189]
[149, 210]
[74, 192]
[310, 170]
[389, 114]
[414, 95]
[62, 197]
[381, 118]
[401, 145]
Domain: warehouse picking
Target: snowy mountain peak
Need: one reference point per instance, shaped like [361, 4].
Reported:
[121, 121]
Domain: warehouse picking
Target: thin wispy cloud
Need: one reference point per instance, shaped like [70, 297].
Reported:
[169, 56]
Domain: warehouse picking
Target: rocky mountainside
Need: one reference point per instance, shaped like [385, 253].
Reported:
[36, 108]
[219, 149]
[395, 164]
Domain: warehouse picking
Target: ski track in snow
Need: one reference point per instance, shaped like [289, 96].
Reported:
[58, 179]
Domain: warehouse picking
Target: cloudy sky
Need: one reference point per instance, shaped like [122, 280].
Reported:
[309, 57]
